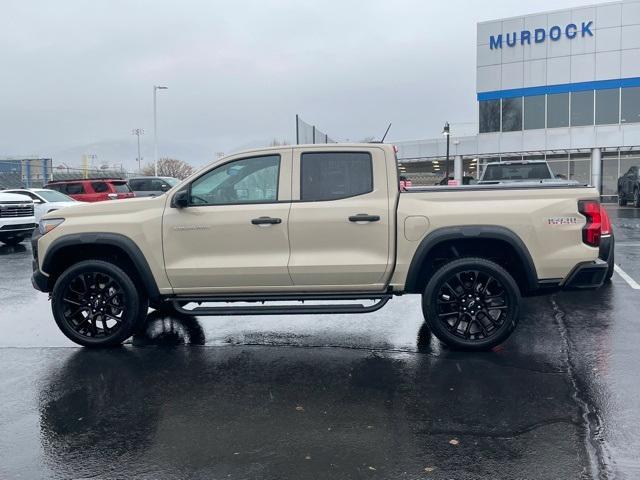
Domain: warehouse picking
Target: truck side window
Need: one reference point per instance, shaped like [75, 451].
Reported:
[335, 175]
[250, 180]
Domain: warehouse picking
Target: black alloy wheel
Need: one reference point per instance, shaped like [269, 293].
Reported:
[471, 304]
[96, 304]
[93, 305]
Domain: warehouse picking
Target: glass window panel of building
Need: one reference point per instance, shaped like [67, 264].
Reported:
[489, 116]
[581, 108]
[534, 112]
[630, 105]
[560, 168]
[558, 110]
[607, 106]
[610, 173]
[580, 168]
[512, 114]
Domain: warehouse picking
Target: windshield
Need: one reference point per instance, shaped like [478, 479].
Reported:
[172, 182]
[53, 196]
[532, 171]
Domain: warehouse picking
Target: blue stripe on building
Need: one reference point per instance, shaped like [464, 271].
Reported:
[562, 88]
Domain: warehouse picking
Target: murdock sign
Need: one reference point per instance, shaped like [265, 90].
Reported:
[541, 35]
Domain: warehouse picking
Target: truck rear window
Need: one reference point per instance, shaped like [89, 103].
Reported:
[497, 172]
[334, 175]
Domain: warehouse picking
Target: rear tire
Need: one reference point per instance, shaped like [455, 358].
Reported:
[471, 304]
[622, 201]
[97, 304]
[611, 269]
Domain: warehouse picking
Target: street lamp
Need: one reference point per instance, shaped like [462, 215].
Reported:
[155, 128]
[446, 132]
[137, 132]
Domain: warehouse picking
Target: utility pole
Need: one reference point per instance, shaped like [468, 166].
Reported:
[447, 133]
[137, 132]
[155, 128]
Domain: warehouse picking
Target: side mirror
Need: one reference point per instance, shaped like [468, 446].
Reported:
[180, 199]
[165, 188]
[37, 201]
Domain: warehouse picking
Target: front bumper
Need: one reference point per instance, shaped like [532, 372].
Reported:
[587, 275]
[38, 279]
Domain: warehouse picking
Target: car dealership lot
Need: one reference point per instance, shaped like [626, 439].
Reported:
[326, 396]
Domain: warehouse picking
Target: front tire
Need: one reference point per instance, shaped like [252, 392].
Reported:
[636, 198]
[12, 241]
[471, 304]
[97, 304]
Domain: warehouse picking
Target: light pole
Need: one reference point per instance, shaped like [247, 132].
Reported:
[447, 133]
[155, 128]
[137, 132]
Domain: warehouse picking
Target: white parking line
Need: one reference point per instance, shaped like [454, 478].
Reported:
[635, 245]
[625, 276]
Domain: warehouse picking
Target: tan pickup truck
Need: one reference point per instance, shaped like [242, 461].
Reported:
[318, 229]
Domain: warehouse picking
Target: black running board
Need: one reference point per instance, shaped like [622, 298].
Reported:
[352, 308]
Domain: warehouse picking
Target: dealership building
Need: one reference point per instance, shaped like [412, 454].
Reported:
[563, 86]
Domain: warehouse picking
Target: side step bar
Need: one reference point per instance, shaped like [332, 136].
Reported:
[381, 300]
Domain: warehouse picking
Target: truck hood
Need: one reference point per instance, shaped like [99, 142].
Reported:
[80, 209]
[14, 197]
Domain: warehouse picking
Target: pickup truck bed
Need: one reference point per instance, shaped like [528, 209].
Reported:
[317, 223]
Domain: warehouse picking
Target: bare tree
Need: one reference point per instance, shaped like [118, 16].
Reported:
[169, 167]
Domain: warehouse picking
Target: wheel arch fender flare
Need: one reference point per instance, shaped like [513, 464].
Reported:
[492, 232]
[124, 243]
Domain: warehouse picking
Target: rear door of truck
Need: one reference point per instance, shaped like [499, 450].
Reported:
[340, 221]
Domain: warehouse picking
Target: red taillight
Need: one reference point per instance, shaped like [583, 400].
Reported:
[606, 222]
[592, 231]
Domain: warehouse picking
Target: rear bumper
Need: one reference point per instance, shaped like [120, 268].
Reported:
[587, 275]
[607, 246]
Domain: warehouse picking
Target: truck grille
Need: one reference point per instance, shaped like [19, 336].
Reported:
[16, 210]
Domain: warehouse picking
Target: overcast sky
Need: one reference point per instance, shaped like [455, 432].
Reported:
[76, 73]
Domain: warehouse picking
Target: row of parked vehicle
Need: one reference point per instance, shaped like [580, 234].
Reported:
[22, 208]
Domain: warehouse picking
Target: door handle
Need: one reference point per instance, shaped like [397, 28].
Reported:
[363, 217]
[266, 221]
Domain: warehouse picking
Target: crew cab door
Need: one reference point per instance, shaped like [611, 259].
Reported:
[233, 235]
[340, 222]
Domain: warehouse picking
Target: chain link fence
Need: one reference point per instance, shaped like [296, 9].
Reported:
[308, 134]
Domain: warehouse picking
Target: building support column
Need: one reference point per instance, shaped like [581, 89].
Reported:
[596, 168]
[457, 169]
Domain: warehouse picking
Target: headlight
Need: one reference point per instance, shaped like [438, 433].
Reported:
[45, 226]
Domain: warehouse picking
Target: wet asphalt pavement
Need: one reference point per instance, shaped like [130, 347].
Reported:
[335, 396]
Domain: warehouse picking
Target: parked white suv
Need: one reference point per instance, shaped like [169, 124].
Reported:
[45, 200]
[17, 219]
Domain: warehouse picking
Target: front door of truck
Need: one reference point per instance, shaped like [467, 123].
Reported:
[340, 224]
[233, 234]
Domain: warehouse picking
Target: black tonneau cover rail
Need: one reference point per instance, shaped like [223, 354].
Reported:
[501, 186]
